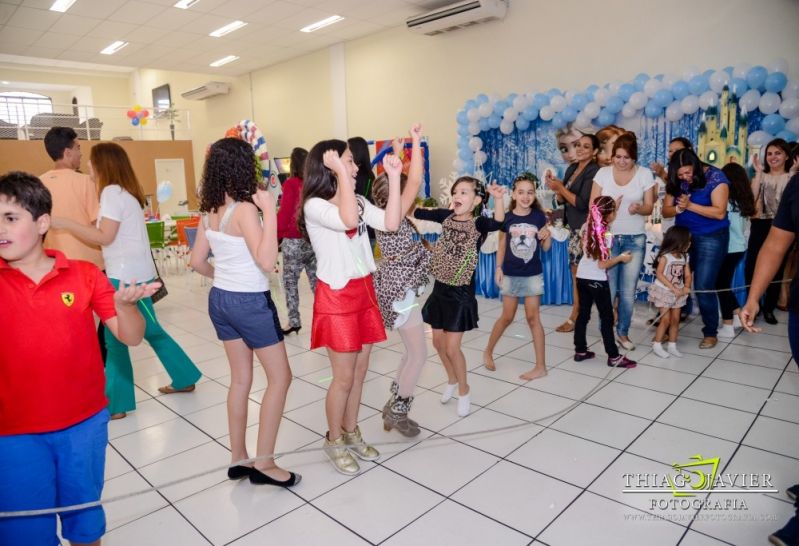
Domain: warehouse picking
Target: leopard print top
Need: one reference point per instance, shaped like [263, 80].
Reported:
[455, 254]
[404, 266]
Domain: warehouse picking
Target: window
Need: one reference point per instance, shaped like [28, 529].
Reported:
[18, 107]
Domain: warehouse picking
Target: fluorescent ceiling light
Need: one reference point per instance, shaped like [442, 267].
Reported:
[61, 5]
[113, 48]
[185, 4]
[224, 60]
[5, 82]
[227, 29]
[322, 24]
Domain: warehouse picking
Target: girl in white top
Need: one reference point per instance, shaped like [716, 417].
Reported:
[633, 189]
[122, 233]
[346, 318]
[239, 303]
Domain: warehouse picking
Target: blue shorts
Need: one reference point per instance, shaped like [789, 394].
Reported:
[522, 287]
[249, 316]
[49, 470]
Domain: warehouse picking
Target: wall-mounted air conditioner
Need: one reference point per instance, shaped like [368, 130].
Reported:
[457, 15]
[210, 89]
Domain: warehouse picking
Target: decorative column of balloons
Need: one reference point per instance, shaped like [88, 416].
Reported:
[138, 116]
[763, 88]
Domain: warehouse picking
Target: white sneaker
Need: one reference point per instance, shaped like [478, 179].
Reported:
[736, 321]
[463, 405]
[449, 390]
[627, 345]
[659, 350]
[727, 331]
[673, 350]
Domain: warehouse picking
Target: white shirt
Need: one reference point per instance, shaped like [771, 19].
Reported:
[128, 256]
[588, 268]
[632, 192]
[235, 269]
[341, 254]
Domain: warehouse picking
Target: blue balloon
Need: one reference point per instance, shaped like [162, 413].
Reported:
[756, 77]
[540, 100]
[134, 121]
[681, 89]
[522, 124]
[772, 124]
[471, 103]
[510, 98]
[786, 135]
[589, 92]
[484, 126]
[465, 154]
[776, 82]
[605, 117]
[463, 142]
[482, 98]
[626, 91]
[614, 105]
[558, 122]
[739, 87]
[729, 70]
[663, 98]
[659, 77]
[707, 73]
[569, 114]
[494, 120]
[639, 81]
[164, 191]
[652, 110]
[531, 112]
[698, 85]
[579, 101]
[461, 117]
[554, 92]
[463, 130]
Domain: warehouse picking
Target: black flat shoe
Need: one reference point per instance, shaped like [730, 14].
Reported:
[769, 317]
[238, 472]
[287, 331]
[259, 478]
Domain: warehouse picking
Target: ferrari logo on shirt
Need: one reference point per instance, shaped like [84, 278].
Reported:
[68, 298]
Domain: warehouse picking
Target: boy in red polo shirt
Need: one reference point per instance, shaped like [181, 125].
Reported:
[53, 421]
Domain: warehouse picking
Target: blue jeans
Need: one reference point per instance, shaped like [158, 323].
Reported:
[793, 334]
[623, 278]
[707, 255]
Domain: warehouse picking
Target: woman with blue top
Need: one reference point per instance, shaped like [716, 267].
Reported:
[698, 194]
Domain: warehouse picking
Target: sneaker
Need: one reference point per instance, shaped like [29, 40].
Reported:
[657, 347]
[464, 405]
[727, 331]
[449, 390]
[673, 350]
[355, 443]
[627, 345]
[579, 357]
[340, 456]
[621, 362]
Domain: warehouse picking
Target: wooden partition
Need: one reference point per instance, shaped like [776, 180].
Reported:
[30, 156]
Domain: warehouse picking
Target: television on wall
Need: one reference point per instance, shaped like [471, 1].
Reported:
[162, 99]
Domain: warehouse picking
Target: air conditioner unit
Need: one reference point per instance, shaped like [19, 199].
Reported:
[457, 15]
[210, 89]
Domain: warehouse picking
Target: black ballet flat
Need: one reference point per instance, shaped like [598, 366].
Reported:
[238, 472]
[259, 478]
[287, 331]
[769, 317]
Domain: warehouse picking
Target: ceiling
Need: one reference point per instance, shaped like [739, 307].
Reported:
[165, 37]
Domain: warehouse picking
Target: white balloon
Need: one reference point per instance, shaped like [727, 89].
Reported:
[674, 111]
[791, 89]
[718, 80]
[494, 97]
[689, 104]
[558, 103]
[759, 138]
[789, 108]
[614, 87]
[506, 127]
[510, 114]
[637, 100]
[690, 72]
[481, 156]
[793, 125]
[546, 113]
[458, 165]
[475, 143]
[741, 70]
[485, 109]
[591, 110]
[473, 114]
[519, 102]
[778, 65]
[708, 99]
[651, 87]
[569, 95]
[582, 120]
[669, 79]
[750, 100]
[769, 103]
[474, 128]
[601, 96]
[628, 111]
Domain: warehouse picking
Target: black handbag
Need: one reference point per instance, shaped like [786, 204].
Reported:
[162, 292]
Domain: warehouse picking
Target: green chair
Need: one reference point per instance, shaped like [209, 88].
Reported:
[158, 243]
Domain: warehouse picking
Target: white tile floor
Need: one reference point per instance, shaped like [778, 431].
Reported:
[558, 481]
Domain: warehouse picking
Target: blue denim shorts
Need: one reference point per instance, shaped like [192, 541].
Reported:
[49, 470]
[249, 316]
[522, 287]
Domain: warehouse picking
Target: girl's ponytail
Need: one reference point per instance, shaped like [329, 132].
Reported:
[597, 227]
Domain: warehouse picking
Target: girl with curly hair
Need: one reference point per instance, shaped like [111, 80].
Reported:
[240, 305]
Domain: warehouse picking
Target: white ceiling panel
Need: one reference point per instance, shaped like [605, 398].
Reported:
[235, 9]
[35, 19]
[173, 19]
[100, 9]
[73, 24]
[275, 12]
[136, 12]
[145, 34]
[207, 23]
[91, 44]
[113, 30]
[6, 11]
[38, 4]
[18, 36]
[56, 40]
[177, 39]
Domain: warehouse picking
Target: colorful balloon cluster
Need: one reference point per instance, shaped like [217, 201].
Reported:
[138, 115]
[672, 96]
[247, 130]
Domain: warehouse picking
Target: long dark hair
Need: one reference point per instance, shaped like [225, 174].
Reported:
[597, 226]
[676, 240]
[319, 181]
[785, 147]
[741, 197]
[363, 160]
[684, 158]
[230, 168]
[297, 162]
[524, 177]
[687, 144]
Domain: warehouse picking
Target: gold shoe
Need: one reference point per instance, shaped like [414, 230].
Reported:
[340, 456]
[354, 442]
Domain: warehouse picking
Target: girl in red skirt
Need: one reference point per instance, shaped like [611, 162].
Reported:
[346, 318]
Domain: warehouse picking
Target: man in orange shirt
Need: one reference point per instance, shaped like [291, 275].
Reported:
[74, 197]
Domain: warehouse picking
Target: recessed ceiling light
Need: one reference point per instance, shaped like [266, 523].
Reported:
[61, 5]
[224, 60]
[227, 29]
[322, 24]
[185, 4]
[113, 48]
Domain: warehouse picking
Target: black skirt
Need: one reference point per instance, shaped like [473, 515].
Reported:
[451, 308]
